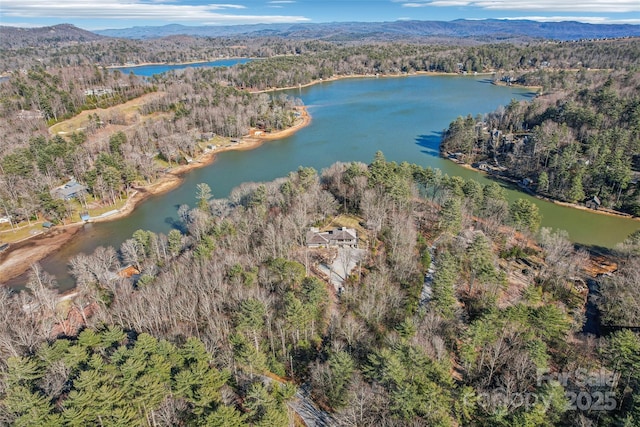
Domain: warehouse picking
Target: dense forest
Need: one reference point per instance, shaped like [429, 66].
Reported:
[475, 53]
[406, 58]
[455, 309]
[580, 141]
[114, 150]
[317, 60]
[455, 314]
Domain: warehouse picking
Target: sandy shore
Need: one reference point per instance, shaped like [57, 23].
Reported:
[537, 89]
[20, 256]
[174, 177]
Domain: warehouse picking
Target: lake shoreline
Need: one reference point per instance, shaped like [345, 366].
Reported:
[174, 177]
[608, 212]
[369, 76]
[147, 64]
[19, 257]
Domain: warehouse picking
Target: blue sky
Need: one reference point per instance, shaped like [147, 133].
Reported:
[102, 14]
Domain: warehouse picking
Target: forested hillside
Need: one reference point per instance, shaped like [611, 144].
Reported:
[455, 308]
[453, 315]
[459, 30]
[110, 150]
[321, 60]
[56, 35]
[582, 140]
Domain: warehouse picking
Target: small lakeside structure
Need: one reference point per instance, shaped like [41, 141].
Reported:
[338, 237]
[593, 203]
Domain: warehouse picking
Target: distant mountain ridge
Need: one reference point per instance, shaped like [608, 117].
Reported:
[492, 28]
[476, 30]
[59, 35]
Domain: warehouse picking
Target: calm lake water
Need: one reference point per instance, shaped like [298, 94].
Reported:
[150, 70]
[351, 120]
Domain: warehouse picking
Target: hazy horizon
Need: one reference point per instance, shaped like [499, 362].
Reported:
[114, 14]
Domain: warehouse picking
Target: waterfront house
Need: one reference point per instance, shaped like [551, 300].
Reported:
[339, 237]
[69, 190]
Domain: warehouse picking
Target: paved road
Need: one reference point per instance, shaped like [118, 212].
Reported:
[308, 411]
[427, 287]
[342, 265]
[305, 407]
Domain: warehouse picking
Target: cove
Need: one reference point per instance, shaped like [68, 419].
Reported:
[351, 120]
[151, 69]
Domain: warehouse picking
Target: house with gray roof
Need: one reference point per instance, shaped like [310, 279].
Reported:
[338, 237]
[69, 190]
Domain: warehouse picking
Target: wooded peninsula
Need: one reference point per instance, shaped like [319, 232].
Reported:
[383, 293]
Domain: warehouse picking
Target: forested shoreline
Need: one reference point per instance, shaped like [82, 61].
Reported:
[579, 143]
[501, 309]
[457, 308]
[110, 152]
[115, 150]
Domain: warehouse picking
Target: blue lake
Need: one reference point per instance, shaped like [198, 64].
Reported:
[150, 70]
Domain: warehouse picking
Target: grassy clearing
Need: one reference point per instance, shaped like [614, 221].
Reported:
[24, 230]
[163, 163]
[102, 209]
[128, 110]
[7, 235]
[70, 125]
